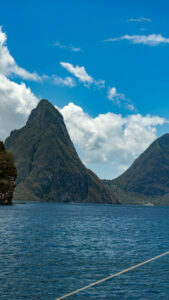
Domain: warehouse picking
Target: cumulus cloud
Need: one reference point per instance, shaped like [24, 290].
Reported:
[150, 40]
[69, 47]
[8, 66]
[140, 20]
[67, 81]
[16, 102]
[110, 138]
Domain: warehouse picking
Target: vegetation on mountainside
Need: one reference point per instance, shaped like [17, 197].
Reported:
[7, 175]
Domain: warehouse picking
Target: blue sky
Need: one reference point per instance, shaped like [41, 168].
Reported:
[105, 57]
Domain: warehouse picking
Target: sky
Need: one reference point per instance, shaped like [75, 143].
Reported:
[103, 64]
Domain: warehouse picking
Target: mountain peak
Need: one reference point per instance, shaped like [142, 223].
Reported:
[44, 115]
[44, 103]
[49, 168]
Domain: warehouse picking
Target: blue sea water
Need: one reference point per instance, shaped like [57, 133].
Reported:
[48, 250]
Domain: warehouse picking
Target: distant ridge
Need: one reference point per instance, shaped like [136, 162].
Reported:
[48, 166]
[147, 180]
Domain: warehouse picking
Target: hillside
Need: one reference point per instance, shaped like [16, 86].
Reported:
[147, 180]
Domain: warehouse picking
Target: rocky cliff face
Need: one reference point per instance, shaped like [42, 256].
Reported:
[7, 176]
[49, 168]
[147, 180]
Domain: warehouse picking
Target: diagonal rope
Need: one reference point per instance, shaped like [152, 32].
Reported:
[114, 275]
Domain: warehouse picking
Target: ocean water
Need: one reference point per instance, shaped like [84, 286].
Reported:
[48, 250]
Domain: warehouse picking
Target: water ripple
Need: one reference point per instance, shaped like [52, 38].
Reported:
[47, 250]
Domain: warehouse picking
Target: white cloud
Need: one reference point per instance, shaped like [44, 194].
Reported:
[8, 66]
[67, 81]
[117, 97]
[16, 102]
[69, 47]
[114, 96]
[76, 49]
[150, 40]
[82, 75]
[111, 93]
[78, 72]
[130, 106]
[3, 37]
[100, 83]
[59, 45]
[140, 20]
[110, 139]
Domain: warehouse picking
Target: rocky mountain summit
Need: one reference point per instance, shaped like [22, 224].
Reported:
[147, 180]
[7, 176]
[48, 166]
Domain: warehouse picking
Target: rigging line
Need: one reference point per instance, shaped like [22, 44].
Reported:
[114, 275]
